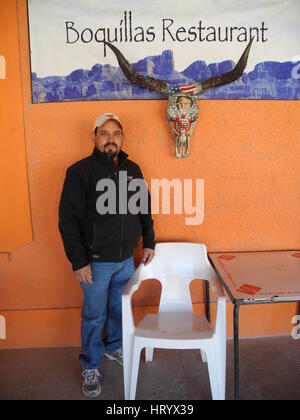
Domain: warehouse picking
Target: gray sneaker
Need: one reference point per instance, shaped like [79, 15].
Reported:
[117, 356]
[91, 386]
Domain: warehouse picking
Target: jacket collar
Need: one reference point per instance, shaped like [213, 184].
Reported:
[108, 160]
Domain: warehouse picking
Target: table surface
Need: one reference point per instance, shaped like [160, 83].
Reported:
[255, 276]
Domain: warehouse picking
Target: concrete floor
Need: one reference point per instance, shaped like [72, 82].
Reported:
[270, 370]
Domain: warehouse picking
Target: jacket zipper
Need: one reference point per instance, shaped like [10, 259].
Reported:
[122, 216]
[122, 233]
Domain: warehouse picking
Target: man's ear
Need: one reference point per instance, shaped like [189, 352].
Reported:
[93, 137]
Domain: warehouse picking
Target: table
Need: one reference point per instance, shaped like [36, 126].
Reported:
[251, 278]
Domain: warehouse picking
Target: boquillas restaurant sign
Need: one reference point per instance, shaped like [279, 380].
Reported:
[181, 43]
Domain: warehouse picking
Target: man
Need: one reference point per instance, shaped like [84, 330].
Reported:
[184, 104]
[100, 245]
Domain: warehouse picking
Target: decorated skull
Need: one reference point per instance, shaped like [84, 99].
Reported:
[182, 114]
[183, 110]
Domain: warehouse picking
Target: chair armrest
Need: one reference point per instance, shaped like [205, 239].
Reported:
[133, 284]
[217, 288]
[131, 287]
[216, 285]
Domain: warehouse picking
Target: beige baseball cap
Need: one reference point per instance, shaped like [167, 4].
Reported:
[103, 118]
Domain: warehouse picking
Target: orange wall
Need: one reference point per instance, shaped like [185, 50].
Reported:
[15, 226]
[246, 151]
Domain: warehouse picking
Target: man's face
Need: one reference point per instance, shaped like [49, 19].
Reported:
[109, 138]
[184, 104]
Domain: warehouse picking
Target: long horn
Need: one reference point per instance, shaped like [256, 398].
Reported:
[229, 77]
[135, 78]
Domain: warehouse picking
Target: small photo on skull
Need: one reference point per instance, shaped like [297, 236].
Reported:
[184, 104]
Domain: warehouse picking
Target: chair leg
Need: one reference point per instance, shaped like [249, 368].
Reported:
[222, 382]
[136, 355]
[213, 375]
[127, 358]
[203, 356]
[221, 367]
[149, 354]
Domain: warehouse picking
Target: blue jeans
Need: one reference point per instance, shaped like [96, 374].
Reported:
[102, 310]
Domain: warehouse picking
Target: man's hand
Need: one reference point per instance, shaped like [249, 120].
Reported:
[148, 255]
[84, 275]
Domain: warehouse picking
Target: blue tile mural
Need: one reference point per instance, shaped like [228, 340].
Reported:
[269, 80]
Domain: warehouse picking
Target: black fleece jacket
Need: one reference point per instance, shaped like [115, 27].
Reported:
[89, 236]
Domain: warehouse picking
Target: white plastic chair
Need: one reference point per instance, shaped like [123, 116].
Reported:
[175, 326]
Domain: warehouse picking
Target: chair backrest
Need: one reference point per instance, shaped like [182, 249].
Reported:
[175, 265]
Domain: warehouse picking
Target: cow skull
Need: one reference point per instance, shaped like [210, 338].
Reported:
[182, 111]
[182, 114]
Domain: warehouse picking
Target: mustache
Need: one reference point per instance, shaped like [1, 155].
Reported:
[110, 144]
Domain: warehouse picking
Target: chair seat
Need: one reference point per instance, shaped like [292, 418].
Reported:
[174, 326]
